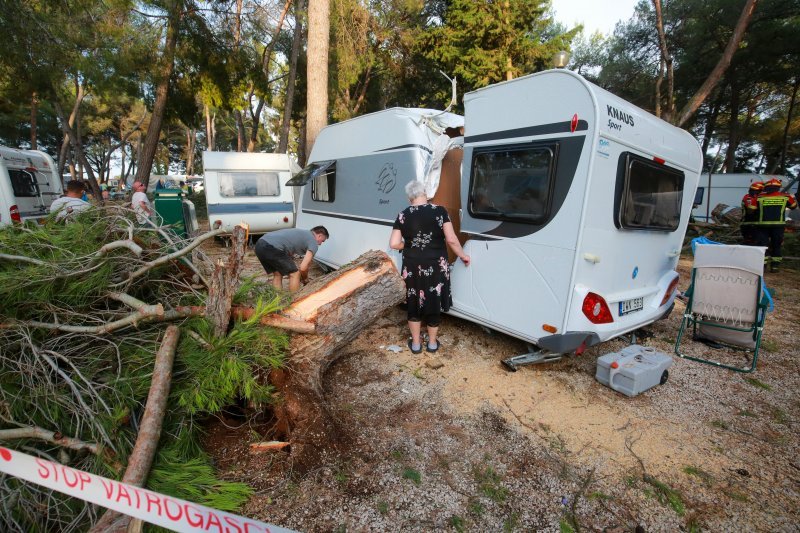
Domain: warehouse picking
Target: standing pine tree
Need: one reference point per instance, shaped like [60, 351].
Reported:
[483, 42]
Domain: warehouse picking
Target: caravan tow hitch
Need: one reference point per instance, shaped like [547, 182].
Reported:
[534, 356]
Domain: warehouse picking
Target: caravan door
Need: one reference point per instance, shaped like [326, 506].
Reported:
[517, 213]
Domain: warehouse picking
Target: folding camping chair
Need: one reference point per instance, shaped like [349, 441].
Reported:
[727, 303]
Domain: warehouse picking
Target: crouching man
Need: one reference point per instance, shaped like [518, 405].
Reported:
[275, 250]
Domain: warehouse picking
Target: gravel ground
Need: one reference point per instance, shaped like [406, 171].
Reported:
[469, 446]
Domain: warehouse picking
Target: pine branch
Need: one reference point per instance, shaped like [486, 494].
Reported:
[53, 437]
[23, 259]
[144, 452]
[167, 258]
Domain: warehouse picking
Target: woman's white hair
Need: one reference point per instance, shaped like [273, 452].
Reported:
[415, 189]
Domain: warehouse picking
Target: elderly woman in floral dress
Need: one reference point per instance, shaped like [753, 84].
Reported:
[423, 231]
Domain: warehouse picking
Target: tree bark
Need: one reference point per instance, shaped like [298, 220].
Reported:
[317, 70]
[191, 138]
[145, 163]
[74, 139]
[733, 128]
[665, 65]
[339, 305]
[240, 133]
[210, 130]
[225, 283]
[711, 122]
[144, 451]
[80, 94]
[722, 65]
[297, 42]
[34, 110]
[785, 144]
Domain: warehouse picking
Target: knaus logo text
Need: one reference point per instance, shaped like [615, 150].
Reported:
[621, 116]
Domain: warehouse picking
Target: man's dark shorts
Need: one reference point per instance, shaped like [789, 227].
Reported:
[273, 259]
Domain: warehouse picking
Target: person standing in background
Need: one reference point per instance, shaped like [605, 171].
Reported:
[140, 203]
[772, 206]
[750, 213]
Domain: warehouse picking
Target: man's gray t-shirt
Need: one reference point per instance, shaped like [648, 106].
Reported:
[293, 241]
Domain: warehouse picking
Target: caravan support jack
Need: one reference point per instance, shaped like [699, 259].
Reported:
[533, 357]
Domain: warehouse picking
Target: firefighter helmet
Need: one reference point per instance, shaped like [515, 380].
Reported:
[774, 182]
[757, 186]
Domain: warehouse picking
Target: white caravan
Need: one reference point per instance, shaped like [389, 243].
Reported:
[249, 187]
[29, 183]
[728, 189]
[571, 202]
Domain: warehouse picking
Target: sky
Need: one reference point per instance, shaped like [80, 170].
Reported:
[596, 15]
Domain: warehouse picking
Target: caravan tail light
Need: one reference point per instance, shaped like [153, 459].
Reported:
[596, 309]
[673, 284]
[659, 160]
[14, 211]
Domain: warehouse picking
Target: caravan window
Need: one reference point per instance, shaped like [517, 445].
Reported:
[246, 184]
[512, 183]
[323, 185]
[650, 196]
[23, 183]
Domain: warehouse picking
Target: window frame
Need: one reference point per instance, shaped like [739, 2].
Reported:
[256, 172]
[551, 147]
[327, 171]
[624, 171]
[36, 191]
[311, 171]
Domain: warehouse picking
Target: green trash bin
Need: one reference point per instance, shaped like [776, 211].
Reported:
[169, 206]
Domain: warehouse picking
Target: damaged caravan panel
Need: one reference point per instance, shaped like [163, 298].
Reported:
[571, 202]
[354, 182]
[250, 188]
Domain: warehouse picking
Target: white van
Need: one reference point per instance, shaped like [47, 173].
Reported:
[571, 202]
[29, 183]
[249, 187]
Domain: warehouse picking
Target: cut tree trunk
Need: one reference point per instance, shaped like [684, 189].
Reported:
[340, 305]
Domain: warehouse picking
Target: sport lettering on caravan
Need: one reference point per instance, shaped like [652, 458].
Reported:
[619, 115]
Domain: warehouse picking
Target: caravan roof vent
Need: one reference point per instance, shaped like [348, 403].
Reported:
[596, 309]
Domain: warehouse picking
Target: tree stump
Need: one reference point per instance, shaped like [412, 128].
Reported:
[340, 305]
[225, 282]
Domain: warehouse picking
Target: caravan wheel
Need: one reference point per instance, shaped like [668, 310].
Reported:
[664, 377]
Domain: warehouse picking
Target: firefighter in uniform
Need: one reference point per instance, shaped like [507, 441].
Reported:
[750, 213]
[772, 206]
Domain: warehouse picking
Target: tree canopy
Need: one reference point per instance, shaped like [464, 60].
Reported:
[98, 85]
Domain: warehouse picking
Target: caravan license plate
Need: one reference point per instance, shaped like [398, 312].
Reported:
[631, 306]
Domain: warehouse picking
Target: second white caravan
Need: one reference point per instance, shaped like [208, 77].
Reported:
[571, 202]
[249, 187]
[29, 183]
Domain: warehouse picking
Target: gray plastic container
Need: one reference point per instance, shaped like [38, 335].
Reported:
[637, 369]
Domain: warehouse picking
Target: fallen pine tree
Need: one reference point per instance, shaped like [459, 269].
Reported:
[89, 306]
[85, 307]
